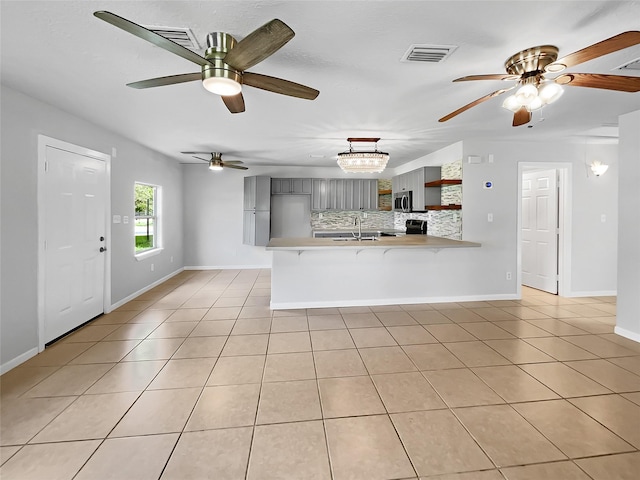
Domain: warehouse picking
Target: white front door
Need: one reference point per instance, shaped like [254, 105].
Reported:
[540, 230]
[74, 213]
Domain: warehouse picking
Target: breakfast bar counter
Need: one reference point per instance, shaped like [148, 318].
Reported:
[326, 272]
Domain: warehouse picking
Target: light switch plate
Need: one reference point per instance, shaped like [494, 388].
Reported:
[125, 219]
[117, 219]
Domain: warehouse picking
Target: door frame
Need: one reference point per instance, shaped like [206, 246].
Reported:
[565, 171]
[44, 142]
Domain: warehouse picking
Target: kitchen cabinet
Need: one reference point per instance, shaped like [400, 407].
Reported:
[256, 210]
[291, 186]
[411, 181]
[319, 194]
[344, 194]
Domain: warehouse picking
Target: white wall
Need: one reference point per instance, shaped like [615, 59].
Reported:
[23, 119]
[628, 307]
[593, 243]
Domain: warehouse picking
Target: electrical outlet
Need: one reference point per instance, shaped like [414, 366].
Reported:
[320, 215]
[489, 217]
[153, 267]
[364, 215]
[603, 218]
[171, 260]
[508, 275]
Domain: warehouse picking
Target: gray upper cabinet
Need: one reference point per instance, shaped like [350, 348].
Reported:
[344, 194]
[291, 186]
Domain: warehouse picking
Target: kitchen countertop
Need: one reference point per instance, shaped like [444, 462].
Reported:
[403, 242]
[329, 231]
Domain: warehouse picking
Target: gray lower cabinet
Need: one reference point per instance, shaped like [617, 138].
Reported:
[257, 210]
[290, 186]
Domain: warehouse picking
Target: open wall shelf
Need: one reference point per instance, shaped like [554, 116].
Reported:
[440, 183]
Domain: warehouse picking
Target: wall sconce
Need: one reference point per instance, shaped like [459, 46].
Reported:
[598, 168]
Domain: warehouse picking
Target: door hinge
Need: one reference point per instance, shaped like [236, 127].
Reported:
[46, 166]
[557, 231]
[45, 244]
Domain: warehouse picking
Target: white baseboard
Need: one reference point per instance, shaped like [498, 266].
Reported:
[623, 332]
[390, 301]
[5, 367]
[227, 267]
[143, 290]
[595, 293]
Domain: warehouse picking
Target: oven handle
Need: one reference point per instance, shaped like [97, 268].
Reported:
[405, 203]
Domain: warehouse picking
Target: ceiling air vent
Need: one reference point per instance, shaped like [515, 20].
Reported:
[182, 36]
[428, 53]
[632, 65]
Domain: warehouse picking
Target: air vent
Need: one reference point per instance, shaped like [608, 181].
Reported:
[428, 53]
[182, 36]
[632, 65]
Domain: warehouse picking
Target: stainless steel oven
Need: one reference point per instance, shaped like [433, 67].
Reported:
[403, 201]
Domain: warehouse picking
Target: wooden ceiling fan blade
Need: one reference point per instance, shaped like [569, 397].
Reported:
[259, 44]
[610, 45]
[490, 76]
[232, 162]
[279, 85]
[235, 103]
[474, 103]
[197, 153]
[152, 37]
[203, 159]
[596, 80]
[169, 80]
[521, 117]
[237, 167]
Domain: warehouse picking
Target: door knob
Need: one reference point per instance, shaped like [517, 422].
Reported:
[102, 249]
[102, 239]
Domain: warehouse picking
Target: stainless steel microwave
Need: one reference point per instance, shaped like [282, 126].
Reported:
[403, 201]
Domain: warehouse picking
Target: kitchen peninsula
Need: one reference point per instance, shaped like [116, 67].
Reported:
[326, 272]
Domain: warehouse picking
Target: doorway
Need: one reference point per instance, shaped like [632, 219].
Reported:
[544, 219]
[73, 233]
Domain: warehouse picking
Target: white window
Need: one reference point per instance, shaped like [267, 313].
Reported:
[147, 207]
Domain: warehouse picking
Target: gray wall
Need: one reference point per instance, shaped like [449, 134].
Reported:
[593, 243]
[23, 119]
[628, 308]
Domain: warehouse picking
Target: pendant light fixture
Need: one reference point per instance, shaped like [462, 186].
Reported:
[358, 161]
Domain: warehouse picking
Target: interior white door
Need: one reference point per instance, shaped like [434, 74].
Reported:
[540, 230]
[74, 234]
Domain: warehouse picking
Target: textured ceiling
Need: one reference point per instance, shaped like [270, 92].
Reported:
[59, 52]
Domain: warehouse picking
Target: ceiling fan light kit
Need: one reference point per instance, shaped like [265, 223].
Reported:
[529, 67]
[215, 162]
[223, 68]
[353, 161]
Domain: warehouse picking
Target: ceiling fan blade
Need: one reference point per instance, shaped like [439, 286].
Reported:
[491, 76]
[259, 44]
[610, 45]
[232, 162]
[278, 85]
[149, 36]
[170, 80]
[474, 103]
[597, 80]
[203, 159]
[521, 117]
[235, 103]
[237, 167]
[197, 153]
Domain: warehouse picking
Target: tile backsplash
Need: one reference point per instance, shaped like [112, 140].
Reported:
[440, 223]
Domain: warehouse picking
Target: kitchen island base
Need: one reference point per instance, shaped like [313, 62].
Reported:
[317, 276]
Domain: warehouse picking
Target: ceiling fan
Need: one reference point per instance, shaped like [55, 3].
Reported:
[224, 65]
[529, 67]
[215, 162]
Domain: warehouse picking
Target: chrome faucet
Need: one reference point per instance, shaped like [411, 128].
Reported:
[357, 221]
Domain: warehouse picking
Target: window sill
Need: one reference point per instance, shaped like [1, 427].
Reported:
[148, 253]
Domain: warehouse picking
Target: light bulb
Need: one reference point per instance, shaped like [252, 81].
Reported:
[550, 92]
[222, 86]
[526, 94]
[510, 103]
[536, 104]
[215, 166]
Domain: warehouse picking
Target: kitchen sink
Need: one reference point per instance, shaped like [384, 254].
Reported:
[354, 239]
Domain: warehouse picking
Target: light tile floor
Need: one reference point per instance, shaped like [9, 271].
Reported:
[198, 379]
